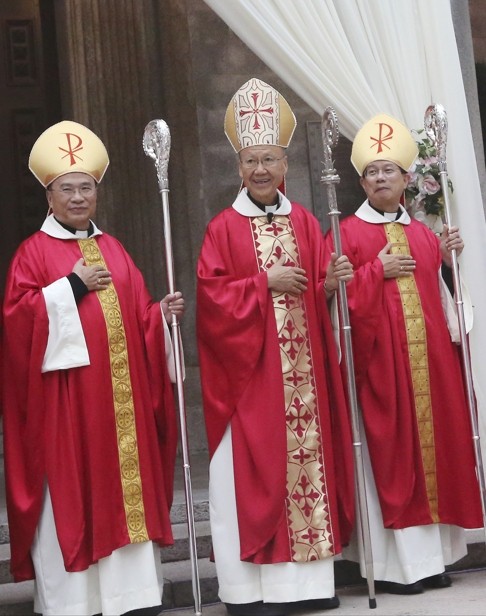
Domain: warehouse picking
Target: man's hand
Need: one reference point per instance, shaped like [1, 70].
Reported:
[286, 278]
[173, 304]
[95, 277]
[339, 268]
[450, 239]
[396, 266]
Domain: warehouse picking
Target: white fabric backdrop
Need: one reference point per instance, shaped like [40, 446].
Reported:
[365, 57]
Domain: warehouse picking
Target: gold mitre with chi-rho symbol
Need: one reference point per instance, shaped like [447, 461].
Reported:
[383, 138]
[68, 147]
[258, 115]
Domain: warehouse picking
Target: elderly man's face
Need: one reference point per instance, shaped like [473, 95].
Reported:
[384, 183]
[72, 198]
[262, 169]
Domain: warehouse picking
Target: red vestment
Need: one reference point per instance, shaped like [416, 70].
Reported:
[388, 377]
[241, 373]
[71, 428]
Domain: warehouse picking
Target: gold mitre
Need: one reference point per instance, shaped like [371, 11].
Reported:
[258, 115]
[67, 147]
[383, 138]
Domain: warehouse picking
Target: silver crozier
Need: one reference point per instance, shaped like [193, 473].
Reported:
[330, 136]
[156, 144]
[435, 122]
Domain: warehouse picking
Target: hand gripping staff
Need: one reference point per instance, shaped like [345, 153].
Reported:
[156, 144]
[435, 123]
[330, 136]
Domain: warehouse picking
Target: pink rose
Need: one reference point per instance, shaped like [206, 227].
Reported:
[428, 184]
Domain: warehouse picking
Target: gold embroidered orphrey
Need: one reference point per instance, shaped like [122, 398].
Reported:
[122, 401]
[308, 515]
[419, 364]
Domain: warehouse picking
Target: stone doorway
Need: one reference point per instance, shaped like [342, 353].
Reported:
[29, 102]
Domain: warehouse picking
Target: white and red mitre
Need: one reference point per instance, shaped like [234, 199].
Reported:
[383, 138]
[67, 147]
[258, 115]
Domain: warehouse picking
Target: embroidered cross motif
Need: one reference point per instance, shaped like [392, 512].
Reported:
[293, 339]
[256, 114]
[295, 378]
[306, 495]
[256, 111]
[301, 456]
[274, 228]
[298, 417]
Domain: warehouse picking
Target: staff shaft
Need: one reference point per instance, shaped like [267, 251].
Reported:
[465, 353]
[330, 179]
[435, 122]
[156, 144]
[178, 355]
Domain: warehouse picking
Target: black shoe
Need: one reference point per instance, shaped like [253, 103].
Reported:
[313, 604]
[258, 608]
[441, 580]
[399, 589]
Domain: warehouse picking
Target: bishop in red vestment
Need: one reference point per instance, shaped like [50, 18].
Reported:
[89, 422]
[408, 371]
[274, 406]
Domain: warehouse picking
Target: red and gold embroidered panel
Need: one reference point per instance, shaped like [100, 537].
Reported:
[308, 515]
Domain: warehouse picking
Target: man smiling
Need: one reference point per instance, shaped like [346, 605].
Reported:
[90, 433]
[271, 380]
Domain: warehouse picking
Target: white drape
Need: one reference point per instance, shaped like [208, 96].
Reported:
[364, 57]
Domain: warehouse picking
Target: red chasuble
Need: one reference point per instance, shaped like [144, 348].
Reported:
[269, 367]
[409, 381]
[101, 436]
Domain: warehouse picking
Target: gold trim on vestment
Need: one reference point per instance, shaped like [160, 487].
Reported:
[122, 401]
[308, 515]
[419, 364]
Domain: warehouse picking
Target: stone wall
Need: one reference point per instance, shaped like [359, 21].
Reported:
[477, 10]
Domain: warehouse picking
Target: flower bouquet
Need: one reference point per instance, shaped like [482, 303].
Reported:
[423, 195]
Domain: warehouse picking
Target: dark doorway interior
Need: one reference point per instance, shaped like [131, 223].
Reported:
[29, 102]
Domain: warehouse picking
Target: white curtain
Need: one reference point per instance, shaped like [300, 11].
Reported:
[365, 57]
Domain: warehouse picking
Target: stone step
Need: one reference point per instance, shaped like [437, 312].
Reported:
[4, 534]
[177, 513]
[17, 599]
[180, 550]
[177, 552]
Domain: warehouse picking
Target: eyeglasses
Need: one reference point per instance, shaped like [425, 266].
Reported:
[266, 163]
[69, 191]
[388, 172]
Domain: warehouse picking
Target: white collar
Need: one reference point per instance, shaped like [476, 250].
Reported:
[368, 214]
[245, 206]
[52, 228]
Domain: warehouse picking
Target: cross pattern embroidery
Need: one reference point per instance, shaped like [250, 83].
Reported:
[305, 495]
[298, 417]
[291, 339]
[308, 517]
[256, 111]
